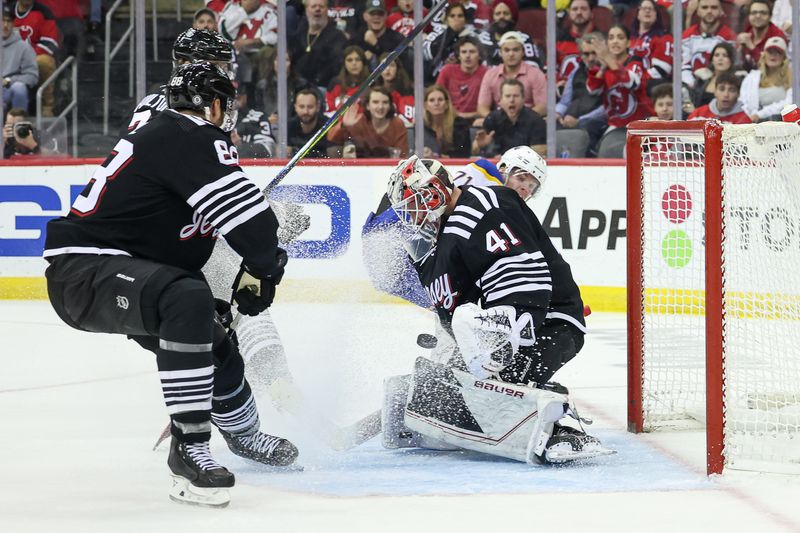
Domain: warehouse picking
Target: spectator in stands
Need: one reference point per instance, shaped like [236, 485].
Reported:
[395, 78]
[722, 57]
[439, 45]
[726, 105]
[205, 19]
[512, 124]
[662, 102]
[620, 80]
[252, 135]
[266, 93]
[250, 26]
[463, 79]
[752, 41]
[20, 72]
[376, 39]
[69, 20]
[94, 39]
[19, 138]
[307, 119]
[316, 48]
[767, 89]
[377, 132]
[443, 136]
[513, 67]
[578, 108]
[354, 71]
[470, 10]
[37, 26]
[401, 19]
[347, 15]
[782, 15]
[699, 39]
[504, 19]
[651, 42]
[580, 23]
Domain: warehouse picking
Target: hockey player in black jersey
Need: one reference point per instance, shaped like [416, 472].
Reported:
[191, 45]
[508, 301]
[127, 259]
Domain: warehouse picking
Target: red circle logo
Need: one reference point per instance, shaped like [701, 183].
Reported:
[676, 204]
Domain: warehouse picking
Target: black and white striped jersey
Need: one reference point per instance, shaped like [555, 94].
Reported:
[164, 194]
[150, 106]
[492, 250]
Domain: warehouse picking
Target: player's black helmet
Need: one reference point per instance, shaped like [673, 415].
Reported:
[202, 45]
[195, 86]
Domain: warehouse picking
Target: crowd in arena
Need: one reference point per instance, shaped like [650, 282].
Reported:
[484, 69]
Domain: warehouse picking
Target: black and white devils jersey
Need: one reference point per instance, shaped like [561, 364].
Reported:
[164, 194]
[492, 250]
[150, 106]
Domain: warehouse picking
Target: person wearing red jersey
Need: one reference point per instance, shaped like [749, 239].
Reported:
[752, 41]
[726, 105]
[580, 23]
[462, 80]
[620, 79]
[699, 39]
[401, 18]
[651, 42]
[37, 25]
[355, 69]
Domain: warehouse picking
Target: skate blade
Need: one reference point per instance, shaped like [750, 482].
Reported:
[183, 491]
[567, 456]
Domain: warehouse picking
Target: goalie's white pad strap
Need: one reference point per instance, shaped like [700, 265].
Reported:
[484, 336]
[506, 420]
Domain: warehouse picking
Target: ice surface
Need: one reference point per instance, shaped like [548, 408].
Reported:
[80, 413]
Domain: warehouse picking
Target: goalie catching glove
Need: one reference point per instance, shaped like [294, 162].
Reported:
[255, 294]
[489, 338]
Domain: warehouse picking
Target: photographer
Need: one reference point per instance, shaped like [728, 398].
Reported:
[18, 135]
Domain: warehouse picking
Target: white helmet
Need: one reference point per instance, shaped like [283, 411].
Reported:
[526, 159]
[419, 191]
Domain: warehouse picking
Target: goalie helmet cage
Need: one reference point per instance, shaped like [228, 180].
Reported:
[714, 287]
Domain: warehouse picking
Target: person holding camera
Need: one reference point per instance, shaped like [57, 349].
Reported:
[18, 135]
[19, 69]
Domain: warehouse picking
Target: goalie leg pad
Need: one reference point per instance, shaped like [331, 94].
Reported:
[482, 415]
[395, 432]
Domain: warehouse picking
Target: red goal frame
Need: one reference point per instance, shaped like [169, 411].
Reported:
[711, 130]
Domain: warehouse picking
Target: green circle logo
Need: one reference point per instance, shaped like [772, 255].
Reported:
[676, 249]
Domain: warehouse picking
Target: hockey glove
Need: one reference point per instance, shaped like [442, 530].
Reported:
[253, 295]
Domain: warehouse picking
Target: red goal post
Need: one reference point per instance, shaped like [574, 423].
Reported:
[713, 226]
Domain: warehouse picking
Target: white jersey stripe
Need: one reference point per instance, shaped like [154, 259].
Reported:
[469, 211]
[515, 281]
[566, 318]
[515, 268]
[457, 231]
[211, 189]
[458, 219]
[535, 256]
[521, 288]
[533, 276]
[211, 214]
[476, 192]
[83, 250]
[261, 206]
[250, 199]
[491, 194]
[231, 189]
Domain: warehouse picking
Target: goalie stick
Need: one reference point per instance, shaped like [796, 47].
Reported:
[353, 98]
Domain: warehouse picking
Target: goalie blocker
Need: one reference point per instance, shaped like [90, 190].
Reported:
[445, 408]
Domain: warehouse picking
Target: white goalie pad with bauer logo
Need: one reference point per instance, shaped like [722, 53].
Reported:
[449, 407]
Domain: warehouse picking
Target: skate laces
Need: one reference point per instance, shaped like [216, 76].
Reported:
[201, 455]
[261, 442]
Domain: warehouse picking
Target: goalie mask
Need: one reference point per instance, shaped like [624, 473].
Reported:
[419, 191]
[523, 170]
[195, 86]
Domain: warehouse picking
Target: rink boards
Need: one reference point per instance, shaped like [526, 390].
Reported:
[582, 207]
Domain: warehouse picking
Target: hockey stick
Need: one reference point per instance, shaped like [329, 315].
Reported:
[353, 98]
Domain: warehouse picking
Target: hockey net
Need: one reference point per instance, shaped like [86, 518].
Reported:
[714, 287]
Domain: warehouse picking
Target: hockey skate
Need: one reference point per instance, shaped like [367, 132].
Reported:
[197, 479]
[263, 448]
[569, 444]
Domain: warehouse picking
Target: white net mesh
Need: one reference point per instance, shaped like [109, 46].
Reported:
[761, 264]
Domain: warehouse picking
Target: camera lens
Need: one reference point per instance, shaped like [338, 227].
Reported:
[23, 130]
